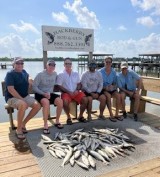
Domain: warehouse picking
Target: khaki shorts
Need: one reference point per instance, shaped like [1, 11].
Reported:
[14, 102]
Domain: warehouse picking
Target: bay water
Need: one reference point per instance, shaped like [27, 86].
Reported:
[34, 67]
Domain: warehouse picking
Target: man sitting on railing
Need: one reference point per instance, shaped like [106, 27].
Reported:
[92, 84]
[43, 85]
[127, 83]
[69, 84]
[16, 95]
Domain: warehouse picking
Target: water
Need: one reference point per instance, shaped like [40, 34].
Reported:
[34, 67]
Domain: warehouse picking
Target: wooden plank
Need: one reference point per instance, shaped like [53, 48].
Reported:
[25, 171]
[151, 100]
[135, 170]
[151, 84]
[17, 165]
[13, 159]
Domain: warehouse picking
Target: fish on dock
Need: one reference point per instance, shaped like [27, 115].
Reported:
[85, 147]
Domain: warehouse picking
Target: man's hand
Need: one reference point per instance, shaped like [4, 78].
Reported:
[94, 95]
[47, 95]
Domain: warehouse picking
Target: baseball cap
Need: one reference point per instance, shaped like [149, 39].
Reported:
[16, 59]
[51, 62]
[92, 63]
[124, 65]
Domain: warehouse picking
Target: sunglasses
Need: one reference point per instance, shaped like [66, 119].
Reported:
[68, 63]
[52, 65]
[108, 62]
[19, 63]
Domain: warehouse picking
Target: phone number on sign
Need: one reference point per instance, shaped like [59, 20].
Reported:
[69, 44]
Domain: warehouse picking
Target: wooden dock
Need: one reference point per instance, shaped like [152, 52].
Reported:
[16, 158]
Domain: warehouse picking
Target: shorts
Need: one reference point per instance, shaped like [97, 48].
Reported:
[89, 94]
[39, 97]
[78, 97]
[110, 92]
[14, 102]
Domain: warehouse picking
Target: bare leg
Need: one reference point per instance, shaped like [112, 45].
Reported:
[108, 100]
[22, 106]
[89, 106]
[83, 106]
[122, 101]
[136, 103]
[35, 108]
[59, 103]
[102, 105]
[117, 97]
[66, 108]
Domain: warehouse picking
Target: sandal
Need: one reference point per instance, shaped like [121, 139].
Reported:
[24, 130]
[101, 117]
[82, 119]
[119, 118]
[46, 131]
[60, 126]
[112, 119]
[69, 121]
[20, 136]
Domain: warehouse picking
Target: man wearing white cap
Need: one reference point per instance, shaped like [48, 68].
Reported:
[16, 95]
[127, 83]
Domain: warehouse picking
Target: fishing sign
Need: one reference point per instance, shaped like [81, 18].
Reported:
[67, 39]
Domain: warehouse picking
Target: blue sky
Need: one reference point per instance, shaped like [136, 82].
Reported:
[124, 28]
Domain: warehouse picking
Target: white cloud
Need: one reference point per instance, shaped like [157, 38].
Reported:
[24, 27]
[131, 47]
[17, 46]
[146, 21]
[122, 28]
[60, 17]
[84, 17]
[148, 5]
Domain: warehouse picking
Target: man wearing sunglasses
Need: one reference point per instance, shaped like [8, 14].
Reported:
[110, 88]
[69, 84]
[43, 86]
[16, 95]
[92, 84]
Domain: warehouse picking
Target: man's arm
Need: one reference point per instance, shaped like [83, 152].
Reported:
[13, 92]
[62, 89]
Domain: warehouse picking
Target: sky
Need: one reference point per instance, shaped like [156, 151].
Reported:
[125, 28]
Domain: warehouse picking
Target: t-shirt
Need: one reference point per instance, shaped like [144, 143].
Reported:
[20, 82]
[92, 81]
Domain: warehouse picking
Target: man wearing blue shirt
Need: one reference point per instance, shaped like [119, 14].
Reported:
[16, 95]
[129, 83]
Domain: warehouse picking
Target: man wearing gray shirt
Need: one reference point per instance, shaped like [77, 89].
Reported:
[43, 86]
[92, 84]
